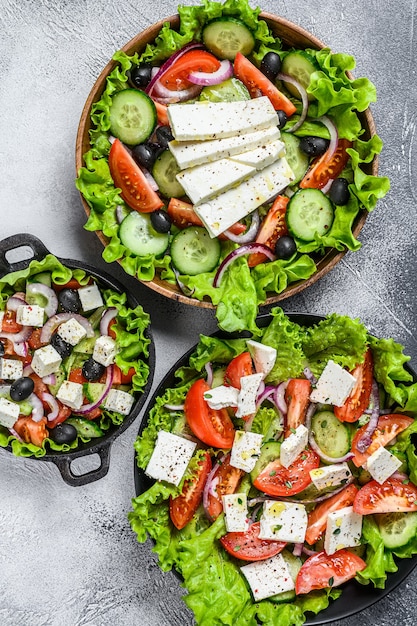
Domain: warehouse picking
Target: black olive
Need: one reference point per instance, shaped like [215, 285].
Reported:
[271, 65]
[161, 221]
[282, 118]
[285, 247]
[140, 75]
[63, 433]
[93, 370]
[339, 191]
[164, 136]
[314, 146]
[145, 154]
[63, 348]
[21, 388]
[69, 300]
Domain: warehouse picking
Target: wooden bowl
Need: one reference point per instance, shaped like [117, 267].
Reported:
[291, 35]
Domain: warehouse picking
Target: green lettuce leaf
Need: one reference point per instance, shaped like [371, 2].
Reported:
[379, 561]
[286, 337]
[389, 361]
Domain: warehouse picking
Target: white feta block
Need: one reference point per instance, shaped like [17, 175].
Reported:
[71, 331]
[105, 349]
[9, 412]
[30, 315]
[293, 445]
[46, 360]
[261, 157]
[245, 450]
[334, 385]
[71, 394]
[214, 120]
[330, 475]
[343, 530]
[170, 457]
[246, 403]
[235, 509]
[269, 577]
[119, 401]
[263, 356]
[219, 213]
[11, 369]
[283, 521]
[90, 297]
[222, 397]
[382, 464]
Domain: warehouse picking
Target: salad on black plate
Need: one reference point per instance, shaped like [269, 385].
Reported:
[227, 163]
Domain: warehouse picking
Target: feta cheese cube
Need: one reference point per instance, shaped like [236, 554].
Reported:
[263, 356]
[170, 457]
[235, 509]
[119, 401]
[46, 360]
[90, 297]
[71, 331]
[382, 464]
[245, 450]
[269, 577]
[30, 315]
[293, 445]
[283, 521]
[71, 394]
[221, 397]
[9, 412]
[330, 475]
[333, 386]
[246, 402]
[105, 349]
[343, 530]
[11, 369]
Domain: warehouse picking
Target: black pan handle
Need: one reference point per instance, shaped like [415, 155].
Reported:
[78, 480]
[38, 251]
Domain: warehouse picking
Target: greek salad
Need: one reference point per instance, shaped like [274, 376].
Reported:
[227, 163]
[279, 467]
[73, 358]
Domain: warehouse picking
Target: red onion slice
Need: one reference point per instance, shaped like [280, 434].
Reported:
[16, 434]
[210, 486]
[58, 319]
[248, 248]
[37, 407]
[309, 375]
[168, 63]
[309, 552]
[21, 348]
[365, 441]
[279, 397]
[15, 301]
[209, 369]
[106, 318]
[87, 408]
[34, 289]
[298, 549]
[150, 179]
[249, 235]
[53, 405]
[50, 379]
[264, 394]
[304, 99]
[224, 72]
[22, 335]
[168, 96]
[334, 137]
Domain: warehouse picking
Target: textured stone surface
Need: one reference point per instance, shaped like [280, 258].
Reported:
[67, 555]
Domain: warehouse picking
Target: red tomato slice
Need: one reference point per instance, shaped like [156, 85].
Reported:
[76, 376]
[9, 324]
[393, 496]
[259, 85]
[389, 426]
[71, 284]
[297, 397]
[323, 570]
[317, 518]
[272, 228]
[227, 481]
[324, 169]
[34, 340]
[240, 365]
[175, 77]
[63, 414]
[182, 215]
[183, 507]
[162, 113]
[248, 547]
[359, 398]
[277, 480]
[129, 178]
[212, 427]
[39, 388]
[31, 431]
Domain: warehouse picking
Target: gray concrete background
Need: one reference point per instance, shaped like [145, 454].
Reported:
[67, 555]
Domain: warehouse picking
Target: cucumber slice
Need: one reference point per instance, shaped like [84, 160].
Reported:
[59, 379]
[85, 428]
[396, 528]
[269, 452]
[164, 172]
[43, 277]
[138, 235]
[309, 212]
[194, 252]
[132, 116]
[230, 90]
[294, 565]
[227, 36]
[297, 159]
[93, 391]
[331, 435]
[86, 345]
[300, 65]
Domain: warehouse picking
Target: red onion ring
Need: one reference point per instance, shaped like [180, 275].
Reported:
[327, 186]
[87, 408]
[168, 96]
[248, 248]
[15, 301]
[22, 335]
[365, 441]
[168, 63]
[58, 319]
[309, 552]
[50, 379]
[264, 394]
[304, 99]
[211, 483]
[33, 289]
[250, 234]
[27, 370]
[224, 72]
[16, 434]
[209, 369]
[37, 406]
[279, 397]
[106, 318]
[309, 375]
[334, 137]
[53, 405]
[298, 549]
[21, 348]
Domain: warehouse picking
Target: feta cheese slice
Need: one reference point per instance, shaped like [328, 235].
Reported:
[71, 331]
[334, 385]
[343, 530]
[293, 445]
[46, 360]
[263, 356]
[263, 156]
[119, 401]
[10, 369]
[235, 509]
[330, 475]
[269, 577]
[382, 464]
[283, 521]
[30, 315]
[71, 394]
[245, 450]
[246, 402]
[105, 349]
[170, 457]
[222, 397]
[9, 412]
[90, 297]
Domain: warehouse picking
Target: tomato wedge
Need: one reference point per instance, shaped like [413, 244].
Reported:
[129, 178]
[182, 215]
[323, 570]
[259, 85]
[240, 365]
[161, 113]
[277, 480]
[31, 431]
[227, 479]
[297, 397]
[212, 427]
[175, 77]
[393, 496]
[272, 228]
[63, 414]
[389, 426]
[359, 398]
[183, 507]
[34, 340]
[317, 518]
[324, 169]
[248, 547]
[9, 324]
